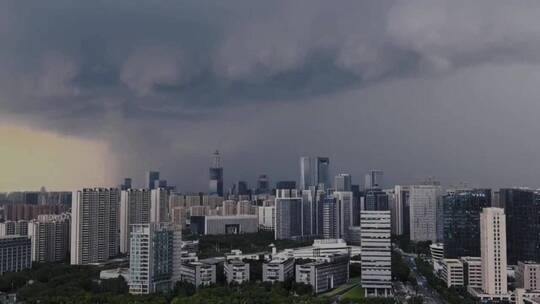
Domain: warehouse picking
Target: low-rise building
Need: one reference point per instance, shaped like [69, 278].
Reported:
[528, 275]
[278, 269]
[324, 275]
[236, 271]
[472, 271]
[452, 272]
[15, 253]
[235, 224]
[114, 273]
[198, 273]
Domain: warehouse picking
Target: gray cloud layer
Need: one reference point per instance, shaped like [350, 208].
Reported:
[417, 88]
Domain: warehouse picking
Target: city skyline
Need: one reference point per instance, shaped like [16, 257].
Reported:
[358, 82]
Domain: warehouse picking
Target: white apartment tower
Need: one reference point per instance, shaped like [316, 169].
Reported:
[493, 251]
[94, 225]
[134, 209]
[50, 237]
[423, 202]
[376, 253]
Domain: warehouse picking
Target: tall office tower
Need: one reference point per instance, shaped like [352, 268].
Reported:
[376, 200]
[329, 218]
[242, 188]
[126, 184]
[134, 209]
[342, 182]
[216, 175]
[151, 258]
[374, 180]
[461, 221]
[376, 253]
[357, 204]
[311, 211]
[314, 171]
[94, 225]
[344, 200]
[151, 178]
[423, 202]
[15, 253]
[399, 208]
[521, 206]
[288, 214]
[159, 205]
[263, 184]
[493, 251]
[50, 237]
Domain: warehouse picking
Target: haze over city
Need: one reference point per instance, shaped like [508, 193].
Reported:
[91, 92]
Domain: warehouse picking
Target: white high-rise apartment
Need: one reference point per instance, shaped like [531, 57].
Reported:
[493, 251]
[376, 253]
[50, 237]
[423, 203]
[159, 208]
[151, 257]
[94, 225]
[134, 209]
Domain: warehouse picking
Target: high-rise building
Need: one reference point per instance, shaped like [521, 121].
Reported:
[216, 175]
[95, 225]
[493, 251]
[374, 180]
[151, 258]
[342, 182]
[134, 209]
[376, 249]
[423, 203]
[19, 227]
[15, 253]
[376, 200]
[159, 205]
[288, 214]
[50, 235]
[126, 184]
[461, 221]
[358, 197]
[242, 188]
[521, 206]
[400, 210]
[314, 172]
[337, 215]
[267, 218]
[151, 178]
[312, 204]
[263, 184]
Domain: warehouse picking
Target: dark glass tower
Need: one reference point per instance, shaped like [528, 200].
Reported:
[151, 178]
[522, 209]
[263, 184]
[376, 200]
[461, 221]
[216, 175]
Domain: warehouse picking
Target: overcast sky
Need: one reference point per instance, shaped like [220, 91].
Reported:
[417, 88]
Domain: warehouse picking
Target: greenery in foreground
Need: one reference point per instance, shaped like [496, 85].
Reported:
[218, 245]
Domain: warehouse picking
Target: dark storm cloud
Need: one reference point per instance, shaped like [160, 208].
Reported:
[165, 82]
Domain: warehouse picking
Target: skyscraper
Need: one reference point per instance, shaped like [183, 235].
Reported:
[399, 207]
[376, 200]
[461, 221]
[522, 206]
[126, 184]
[314, 172]
[159, 205]
[263, 184]
[134, 209]
[493, 251]
[376, 253]
[288, 214]
[94, 225]
[50, 237]
[216, 175]
[151, 258]
[423, 202]
[342, 182]
[151, 178]
[312, 203]
[374, 179]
